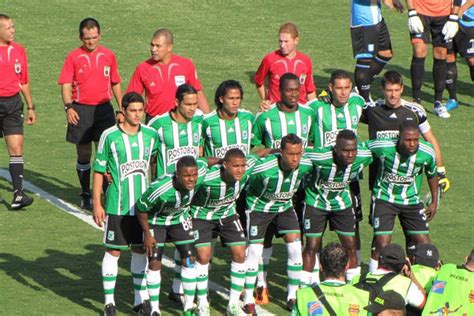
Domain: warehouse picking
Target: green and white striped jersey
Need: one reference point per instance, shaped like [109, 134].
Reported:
[270, 189]
[271, 126]
[164, 204]
[399, 178]
[127, 158]
[175, 140]
[329, 120]
[328, 187]
[221, 135]
[215, 198]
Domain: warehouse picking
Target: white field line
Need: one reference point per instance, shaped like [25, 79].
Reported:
[87, 218]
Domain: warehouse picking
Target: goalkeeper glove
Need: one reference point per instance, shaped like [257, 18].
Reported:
[415, 26]
[325, 96]
[451, 27]
[443, 181]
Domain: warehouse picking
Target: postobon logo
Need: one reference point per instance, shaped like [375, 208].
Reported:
[330, 137]
[387, 134]
[333, 186]
[221, 202]
[220, 152]
[176, 153]
[282, 196]
[134, 166]
[396, 179]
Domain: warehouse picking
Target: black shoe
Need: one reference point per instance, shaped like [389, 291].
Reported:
[249, 309]
[155, 313]
[110, 310]
[176, 297]
[86, 202]
[20, 200]
[290, 304]
[143, 309]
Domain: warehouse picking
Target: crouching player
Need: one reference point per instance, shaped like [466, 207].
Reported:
[163, 213]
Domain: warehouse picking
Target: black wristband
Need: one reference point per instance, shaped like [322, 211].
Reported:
[31, 108]
[67, 106]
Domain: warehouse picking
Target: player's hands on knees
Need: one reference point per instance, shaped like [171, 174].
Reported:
[430, 211]
[149, 243]
[72, 116]
[31, 117]
[264, 105]
[98, 214]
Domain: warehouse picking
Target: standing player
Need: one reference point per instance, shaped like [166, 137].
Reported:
[397, 189]
[13, 80]
[88, 79]
[163, 213]
[371, 43]
[272, 185]
[124, 151]
[214, 210]
[439, 21]
[284, 60]
[328, 198]
[162, 74]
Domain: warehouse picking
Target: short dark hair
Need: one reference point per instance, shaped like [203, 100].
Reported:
[3, 16]
[392, 77]
[131, 97]
[186, 162]
[223, 88]
[334, 259]
[292, 139]
[346, 134]
[183, 90]
[407, 125]
[233, 153]
[167, 34]
[88, 23]
[287, 77]
[339, 74]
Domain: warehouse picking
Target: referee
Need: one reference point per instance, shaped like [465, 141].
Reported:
[88, 79]
[14, 79]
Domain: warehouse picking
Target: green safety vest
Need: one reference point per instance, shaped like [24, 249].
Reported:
[425, 275]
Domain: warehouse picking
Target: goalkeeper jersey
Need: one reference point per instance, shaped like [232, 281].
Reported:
[365, 12]
[270, 189]
[126, 157]
[329, 120]
[164, 204]
[175, 140]
[221, 135]
[399, 178]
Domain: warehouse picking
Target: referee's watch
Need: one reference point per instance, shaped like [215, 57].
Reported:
[67, 106]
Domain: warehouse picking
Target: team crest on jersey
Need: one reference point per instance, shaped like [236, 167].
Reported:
[106, 71]
[307, 224]
[438, 287]
[354, 120]
[196, 137]
[353, 175]
[253, 231]
[179, 80]
[111, 235]
[147, 151]
[304, 128]
[354, 309]
[17, 68]
[129, 168]
[315, 308]
[244, 135]
[302, 78]
[376, 222]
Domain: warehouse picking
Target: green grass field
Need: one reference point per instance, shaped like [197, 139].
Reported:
[50, 261]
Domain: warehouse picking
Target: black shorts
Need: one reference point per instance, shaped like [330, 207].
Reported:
[315, 220]
[11, 115]
[241, 208]
[367, 41]
[229, 229]
[258, 222]
[93, 120]
[412, 218]
[463, 42]
[122, 231]
[433, 27]
[179, 234]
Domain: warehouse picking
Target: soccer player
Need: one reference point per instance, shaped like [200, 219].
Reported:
[88, 79]
[163, 213]
[371, 43]
[284, 117]
[284, 60]
[124, 151]
[271, 187]
[333, 293]
[328, 198]
[162, 74]
[214, 209]
[440, 20]
[13, 81]
[397, 189]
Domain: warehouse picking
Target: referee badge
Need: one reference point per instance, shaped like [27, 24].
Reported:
[17, 67]
[179, 80]
[106, 71]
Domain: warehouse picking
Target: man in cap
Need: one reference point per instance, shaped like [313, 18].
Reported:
[387, 303]
[425, 264]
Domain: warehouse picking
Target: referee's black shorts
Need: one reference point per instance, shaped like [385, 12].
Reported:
[11, 115]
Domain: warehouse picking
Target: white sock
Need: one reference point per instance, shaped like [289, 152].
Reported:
[188, 278]
[177, 286]
[305, 279]
[315, 276]
[373, 265]
[109, 276]
[153, 280]
[263, 267]
[138, 269]
[351, 273]
[253, 257]
[237, 281]
[294, 265]
[202, 280]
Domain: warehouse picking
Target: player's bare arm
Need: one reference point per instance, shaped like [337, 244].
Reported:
[149, 241]
[97, 209]
[430, 138]
[431, 209]
[30, 108]
[71, 115]
[203, 104]
[465, 6]
[117, 91]
[394, 4]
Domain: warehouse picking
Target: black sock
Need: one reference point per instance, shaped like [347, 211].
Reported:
[451, 78]
[417, 71]
[16, 172]
[471, 70]
[84, 174]
[439, 77]
[363, 78]
[377, 65]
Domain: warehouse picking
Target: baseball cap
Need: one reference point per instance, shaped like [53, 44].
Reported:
[386, 300]
[392, 255]
[427, 255]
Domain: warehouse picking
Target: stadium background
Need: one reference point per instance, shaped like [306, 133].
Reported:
[50, 261]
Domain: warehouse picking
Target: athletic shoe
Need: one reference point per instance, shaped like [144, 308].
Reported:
[176, 297]
[189, 312]
[203, 309]
[452, 104]
[155, 313]
[441, 110]
[417, 101]
[20, 200]
[86, 202]
[262, 296]
[143, 309]
[110, 310]
[234, 310]
[249, 309]
[290, 304]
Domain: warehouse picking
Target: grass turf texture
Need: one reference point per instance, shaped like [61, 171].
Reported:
[50, 261]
